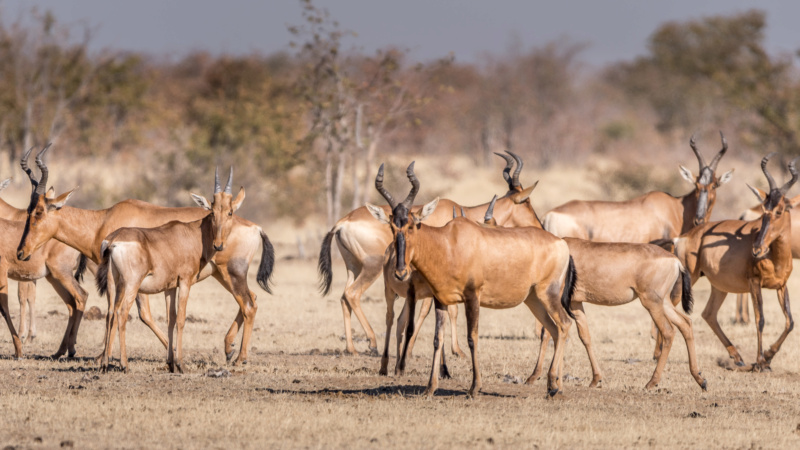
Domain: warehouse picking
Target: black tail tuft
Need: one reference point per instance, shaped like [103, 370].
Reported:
[264, 276]
[687, 301]
[81, 268]
[324, 265]
[101, 280]
[569, 287]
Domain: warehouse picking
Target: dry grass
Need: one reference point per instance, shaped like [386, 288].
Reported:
[299, 391]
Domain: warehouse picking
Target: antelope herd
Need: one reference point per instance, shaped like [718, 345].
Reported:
[494, 255]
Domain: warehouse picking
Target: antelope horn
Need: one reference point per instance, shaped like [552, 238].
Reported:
[490, 210]
[771, 180]
[697, 154]
[462, 212]
[507, 170]
[382, 190]
[217, 187]
[721, 153]
[515, 177]
[230, 181]
[23, 162]
[791, 182]
[454, 212]
[414, 186]
[42, 186]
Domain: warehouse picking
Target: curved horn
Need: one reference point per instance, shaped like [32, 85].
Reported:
[454, 212]
[719, 154]
[217, 187]
[791, 182]
[515, 177]
[23, 162]
[507, 170]
[414, 186]
[700, 159]
[462, 212]
[764, 162]
[227, 189]
[379, 186]
[490, 210]
[42, 186]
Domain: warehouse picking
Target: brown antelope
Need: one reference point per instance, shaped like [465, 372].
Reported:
[742, 312]
[166, 259]
[362, 242]
[85, 230]
[463, 262]
[651, 217]
[614, 274]
[55, 262]
[738, 256]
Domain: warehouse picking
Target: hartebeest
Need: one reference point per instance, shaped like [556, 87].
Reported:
[166, 259]
[51, 263]
[739, 257]
[362, 243]
[651, 217]
[463, 262]
[614, 274]
[85, 231]
[742, 313]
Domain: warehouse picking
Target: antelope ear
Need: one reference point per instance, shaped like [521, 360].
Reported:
[427, 210]
[378, 213]
[201, 201]
[523, 195]
[760, 195]
[59, 202]
[237, 202]
[4, 184]
[686, 174]
[725, 177]
[794, 202]
[50, 194]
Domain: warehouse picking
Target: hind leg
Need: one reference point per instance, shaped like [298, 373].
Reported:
[68, 300]
[742, 315]
[143, 304]
[234, 279]
[390, 299]
[452, 311]
[438, 344]
[352, 295]
[783, 300]
[710, 316]
[423, 313]
[583, 333]
[684, 324]
[656, 309]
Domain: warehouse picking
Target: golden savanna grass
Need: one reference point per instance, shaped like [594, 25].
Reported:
[299, 390]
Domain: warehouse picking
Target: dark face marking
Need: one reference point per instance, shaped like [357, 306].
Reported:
[399, 227]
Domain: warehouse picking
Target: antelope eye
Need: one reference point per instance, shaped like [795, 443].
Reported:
[230, 213]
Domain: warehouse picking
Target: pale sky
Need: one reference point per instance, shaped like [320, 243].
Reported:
[616, 30]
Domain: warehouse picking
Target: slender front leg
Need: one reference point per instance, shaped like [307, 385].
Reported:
[655, 307]
[423, 313]
[783, 299]
[172, 318]
[26, 293]
[6, 314]
[236, 283]
[472, 307]
[143, 304]
[411, 303]
[183, 298]
[742, 315]
[684, 324]
[758, 315]
[390, 298]
[438, 345]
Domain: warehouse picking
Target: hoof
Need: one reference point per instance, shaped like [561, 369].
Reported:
[56, 356]
[651, 385]
[473, 393]
[373, 351]
[383, 372]
[739, 363]
[704, 385]
[31, 338]
[598, 383]
[459, 354]
[229, 356]
[71, 354]
[552, 392]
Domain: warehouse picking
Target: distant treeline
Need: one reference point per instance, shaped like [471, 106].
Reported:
[306, 127]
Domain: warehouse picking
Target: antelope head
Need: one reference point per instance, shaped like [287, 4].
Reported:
[222, 207]
[404, 223]
[775, 219]
[516, 209]
[43, 219]
[707, 182]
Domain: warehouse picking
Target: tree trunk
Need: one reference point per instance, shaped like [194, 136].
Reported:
[337, 192]
[369, 160]
[329, 183]
[358, 152]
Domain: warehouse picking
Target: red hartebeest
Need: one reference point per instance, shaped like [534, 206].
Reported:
[56, 263]
[85, 231]
[739, 257]
[742, 312]
[166, 259]
[651, 217]
[614, 274]
[463, 262]
[362, 242]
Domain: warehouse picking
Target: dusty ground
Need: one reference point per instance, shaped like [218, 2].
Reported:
[298, 390]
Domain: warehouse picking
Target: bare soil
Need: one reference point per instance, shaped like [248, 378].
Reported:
[299, 390]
